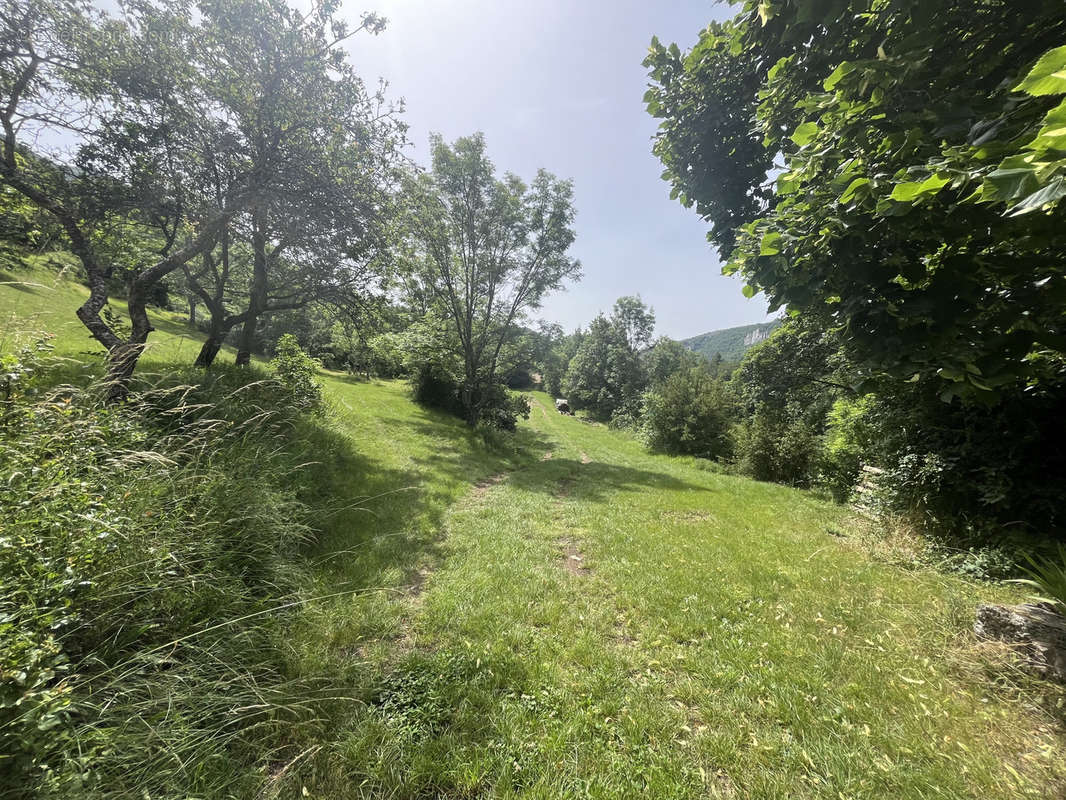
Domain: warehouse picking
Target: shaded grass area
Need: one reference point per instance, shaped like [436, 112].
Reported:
[715, 640]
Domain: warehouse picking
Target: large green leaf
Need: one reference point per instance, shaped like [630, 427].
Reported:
[805, 133]
[835, 77]
[770, 244]
[1052, 136]
[909, 191]
[766, 11]
[857, 186]
[1044, 198]
[1015, 178]
[1048, 76]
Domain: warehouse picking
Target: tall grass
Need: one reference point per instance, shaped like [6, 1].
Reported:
[150, 557]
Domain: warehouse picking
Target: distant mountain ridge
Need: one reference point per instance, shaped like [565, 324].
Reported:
[732, 343]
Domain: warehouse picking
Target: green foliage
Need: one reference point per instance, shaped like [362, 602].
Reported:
[387, 355]
[606, 374]
[296, 371]
[485, 251]
[553, 352]
[433, 386]
[144, 589]
[1047, 574]
[796, 366]
[690, 413]
[150, 122]
[666, 357]
[503, 408]
[849, 440]
[968, 468]
[918, 210]
[20, 363]
[778, 446]
[435, 372]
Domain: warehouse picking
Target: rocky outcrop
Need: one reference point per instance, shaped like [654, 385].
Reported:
[1036, 631]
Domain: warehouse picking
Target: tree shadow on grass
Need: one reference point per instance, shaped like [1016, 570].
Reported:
[595, 480]
[592, 480]
[380, 519]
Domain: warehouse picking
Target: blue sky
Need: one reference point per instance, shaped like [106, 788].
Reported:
[559, 84]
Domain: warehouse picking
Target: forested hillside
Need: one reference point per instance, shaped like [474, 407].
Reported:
[730, 343]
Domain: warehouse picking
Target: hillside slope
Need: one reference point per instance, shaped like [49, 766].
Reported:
[563, 614]
[732, 343]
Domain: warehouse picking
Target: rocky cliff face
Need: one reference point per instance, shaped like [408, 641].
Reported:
[731, 343]
[757, 335]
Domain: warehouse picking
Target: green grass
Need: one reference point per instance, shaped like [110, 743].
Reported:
[608, 623]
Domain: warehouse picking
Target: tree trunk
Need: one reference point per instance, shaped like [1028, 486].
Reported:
[89, 311]
[123, 357]
[122, 360]
[246, 341]
[192, 312]
[206, 357]
[257, 293]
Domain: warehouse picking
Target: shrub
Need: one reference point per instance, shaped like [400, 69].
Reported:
[296, 371]
[19, 368]
[387, 355]
[432, 385]
[689, 414]
[848, 443]
[624, 419]
[968, 469]
[778, 447]
[503, 408]
[1047, 574]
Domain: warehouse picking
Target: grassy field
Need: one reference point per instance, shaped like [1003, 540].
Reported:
[561, 614]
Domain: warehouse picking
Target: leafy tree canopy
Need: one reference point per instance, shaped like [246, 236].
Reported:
[894, 168]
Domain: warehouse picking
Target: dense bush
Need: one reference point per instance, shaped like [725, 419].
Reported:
[502, 408]
[296, 372]
[146, 556]
[777, 446]
[848, 444]
[606, 374]
[434, 386]
[387, 355]
[689, 413]
[966, 468]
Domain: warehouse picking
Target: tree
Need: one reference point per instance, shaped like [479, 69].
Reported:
[635, 320]
[117, 88]
[315, 232]
[666, 357]
[169, 122]
[799, 365]
[606, 375]
[689, 413]
[486, 250]
[918, 205]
